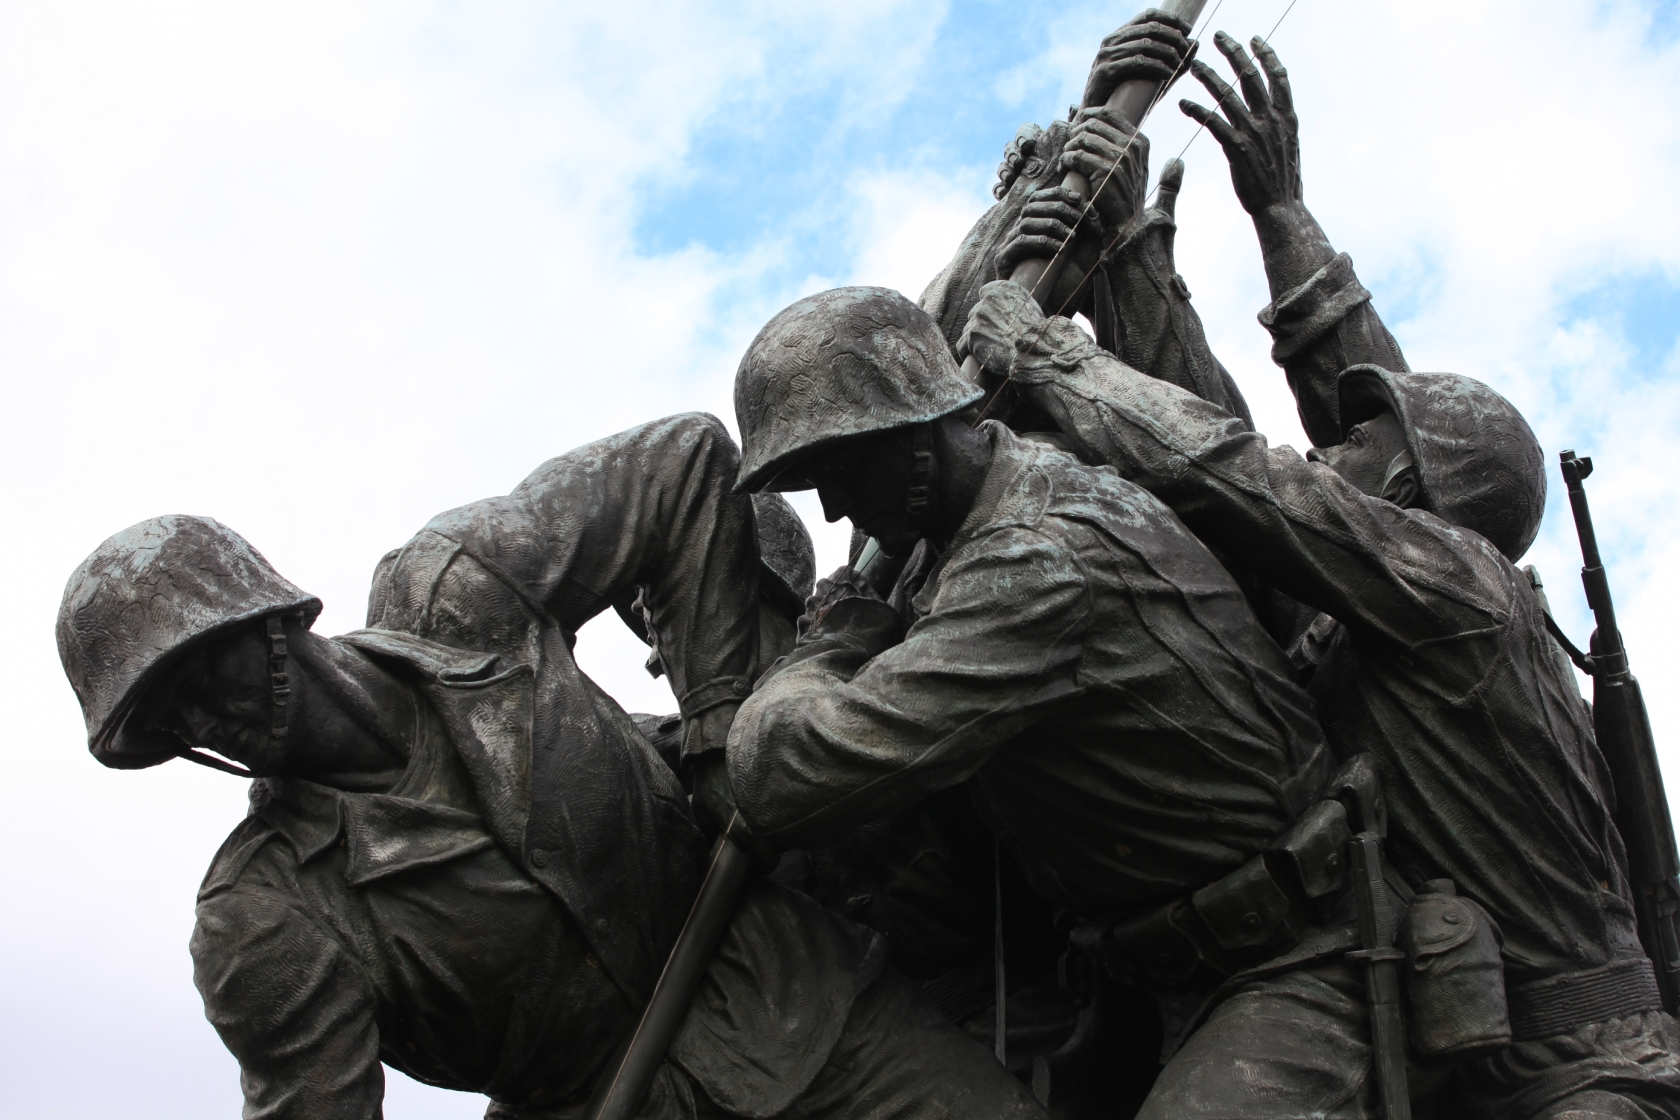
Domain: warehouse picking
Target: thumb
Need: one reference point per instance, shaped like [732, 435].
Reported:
[1167, 187]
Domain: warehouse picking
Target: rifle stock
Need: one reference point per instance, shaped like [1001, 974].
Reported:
[1623, 729]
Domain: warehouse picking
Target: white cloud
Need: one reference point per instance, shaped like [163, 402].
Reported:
[323, 272]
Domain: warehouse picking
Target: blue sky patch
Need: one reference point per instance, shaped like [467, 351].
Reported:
[1642, 309]
[785, 166]
[1665, 22]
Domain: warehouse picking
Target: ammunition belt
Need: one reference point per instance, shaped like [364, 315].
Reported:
[1560, 1004]
[1253, 914]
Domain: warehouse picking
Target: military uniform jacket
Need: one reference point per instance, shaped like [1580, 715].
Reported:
[1431, 653]
[1129, 730]
[496, 921]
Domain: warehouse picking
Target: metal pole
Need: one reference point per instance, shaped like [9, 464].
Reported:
[620, 1091]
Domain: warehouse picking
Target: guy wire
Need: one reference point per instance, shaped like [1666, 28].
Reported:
[1165, 88]
[1178, 72]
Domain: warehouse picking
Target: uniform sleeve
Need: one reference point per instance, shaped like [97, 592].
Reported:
[1320, 328]
[1156, 328]
[820, 748]
[655, 508]
[1402, 575]
[652, 509]
[291, 1005]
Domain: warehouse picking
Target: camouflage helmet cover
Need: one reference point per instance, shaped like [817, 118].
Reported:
[784, 545]
[1478, 463]
[841, 363]
[144, 597]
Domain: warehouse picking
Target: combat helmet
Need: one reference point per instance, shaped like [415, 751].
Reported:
[835, 365]
[139, 602]
[1478, 463]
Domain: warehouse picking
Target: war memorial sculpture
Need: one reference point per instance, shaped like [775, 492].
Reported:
[1132, 766]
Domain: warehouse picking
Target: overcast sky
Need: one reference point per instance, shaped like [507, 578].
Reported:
[322, 270]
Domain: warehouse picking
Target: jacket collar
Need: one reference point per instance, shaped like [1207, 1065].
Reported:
[1011, 458]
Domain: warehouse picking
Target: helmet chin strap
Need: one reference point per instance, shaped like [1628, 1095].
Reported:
[279, 681]
[1401, 462]
[280, 692]
[204, 758]
[921, 482]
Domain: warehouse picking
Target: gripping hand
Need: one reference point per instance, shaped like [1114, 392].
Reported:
[1003, 320]
[1153, 47]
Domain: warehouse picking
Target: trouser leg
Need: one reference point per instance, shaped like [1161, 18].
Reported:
[1620, 1069]
[1288, 1046]
[900, 1059]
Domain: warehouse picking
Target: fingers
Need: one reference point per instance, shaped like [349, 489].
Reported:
[1167, 187]
[1161, 45]
[1048, 219]
[1248, 75]
[1054, 202]
[1107, 76]
[1095, 143]
[1283, 97]
[1156, 15]
[1094, 167]
[1229, 101]
[1047, 222]
[1027, 249]
[1099, 124]
[1165, 30]
[1152, 50]
[1213, 122]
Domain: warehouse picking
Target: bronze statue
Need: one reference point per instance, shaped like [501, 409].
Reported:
[1431, 658]
[462, 859]
[1191, 776]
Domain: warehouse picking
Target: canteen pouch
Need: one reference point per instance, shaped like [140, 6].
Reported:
[1454, 976]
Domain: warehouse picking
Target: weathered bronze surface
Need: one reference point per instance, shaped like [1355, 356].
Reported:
[1231, 783]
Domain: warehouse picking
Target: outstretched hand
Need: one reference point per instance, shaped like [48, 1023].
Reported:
[1153, 47]
[1259, 130]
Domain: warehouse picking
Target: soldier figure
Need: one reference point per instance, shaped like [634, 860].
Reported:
[1431, 658]
[1062, 643]
[462, 859]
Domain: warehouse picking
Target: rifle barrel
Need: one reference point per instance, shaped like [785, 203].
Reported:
[1609, 641]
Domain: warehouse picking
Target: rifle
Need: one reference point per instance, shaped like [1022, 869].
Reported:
[1624, 737]
[1359, 789]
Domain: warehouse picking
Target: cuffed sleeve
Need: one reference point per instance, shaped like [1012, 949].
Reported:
[824, 745]
[1320, 328]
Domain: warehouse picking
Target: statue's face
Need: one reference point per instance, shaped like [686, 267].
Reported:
[868, 480]
[1364, 457]
[219, 698]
